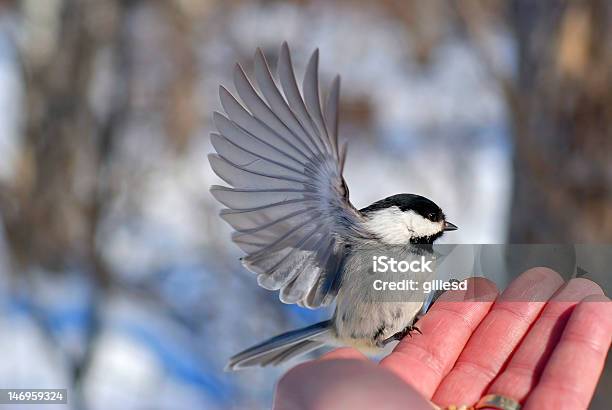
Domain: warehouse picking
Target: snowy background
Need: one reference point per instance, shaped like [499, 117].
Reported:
[176, 302]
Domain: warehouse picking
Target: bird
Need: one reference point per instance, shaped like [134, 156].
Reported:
[279, 151]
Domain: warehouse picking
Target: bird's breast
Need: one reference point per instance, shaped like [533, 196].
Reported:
[365, 313]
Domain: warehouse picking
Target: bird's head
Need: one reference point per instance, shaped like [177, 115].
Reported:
[406, 218]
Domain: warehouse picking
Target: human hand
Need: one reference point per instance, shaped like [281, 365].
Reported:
[541, 342]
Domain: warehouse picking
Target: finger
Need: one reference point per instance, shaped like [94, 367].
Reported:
[497, 336]
[522, 372]
[571, 374]
[345, 384]
[344, 353]
[423, 359]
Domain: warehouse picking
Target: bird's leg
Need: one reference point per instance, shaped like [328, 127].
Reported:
[431, 299]
[402, 333]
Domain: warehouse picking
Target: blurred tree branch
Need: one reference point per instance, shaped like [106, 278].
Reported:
[61, 187]
[559, 103]
[53, 215]
[563, 117]
[78, 60]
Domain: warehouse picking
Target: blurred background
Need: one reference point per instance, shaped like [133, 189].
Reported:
[117, 278]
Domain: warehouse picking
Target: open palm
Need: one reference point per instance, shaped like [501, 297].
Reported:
[542, 342]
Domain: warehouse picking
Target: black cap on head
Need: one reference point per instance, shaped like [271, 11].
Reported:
[409, 202]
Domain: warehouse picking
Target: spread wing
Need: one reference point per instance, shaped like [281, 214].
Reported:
[288, 201]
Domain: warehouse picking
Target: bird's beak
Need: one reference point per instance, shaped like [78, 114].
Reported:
[449, 226]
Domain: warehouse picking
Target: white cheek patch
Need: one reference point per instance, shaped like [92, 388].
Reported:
[396, 227]
[421, 226]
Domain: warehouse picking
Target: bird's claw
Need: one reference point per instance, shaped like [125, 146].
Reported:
[407, 331]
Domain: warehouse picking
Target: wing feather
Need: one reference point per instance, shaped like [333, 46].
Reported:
[288, 202]
[277, 103]
[260, 110]
[331, 112]
[242, 199]
[301, 285]
[273, 243]
[257, 146]
[311, 98]
[285, 265]
[292, 94]
[255, 126]
[242, 178]
[245, 159]
[244, 220]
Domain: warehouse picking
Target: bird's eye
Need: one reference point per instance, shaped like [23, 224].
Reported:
[431, 216]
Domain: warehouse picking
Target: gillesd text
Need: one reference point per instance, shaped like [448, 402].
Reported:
[384, 264]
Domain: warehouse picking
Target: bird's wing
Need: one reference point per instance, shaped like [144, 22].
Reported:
[288, 201]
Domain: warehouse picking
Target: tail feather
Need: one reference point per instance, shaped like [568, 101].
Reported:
[281, 355]
[282, 347]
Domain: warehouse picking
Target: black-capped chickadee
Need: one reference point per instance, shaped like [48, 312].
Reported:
[290, 208]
